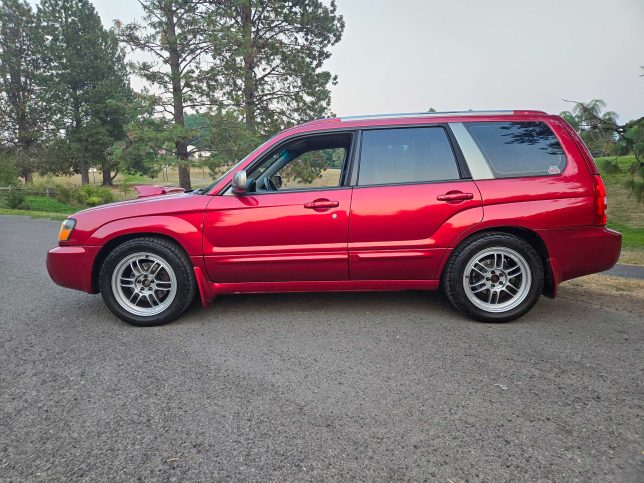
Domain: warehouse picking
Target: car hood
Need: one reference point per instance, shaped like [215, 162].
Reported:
[137, 203]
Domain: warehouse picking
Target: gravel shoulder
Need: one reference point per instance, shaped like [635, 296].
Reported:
[369, 386]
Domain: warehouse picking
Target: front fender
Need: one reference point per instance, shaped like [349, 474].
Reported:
[185, 230]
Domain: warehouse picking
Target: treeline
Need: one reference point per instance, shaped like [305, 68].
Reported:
[220, 76]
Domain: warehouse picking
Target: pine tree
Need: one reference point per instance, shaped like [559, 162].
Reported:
[85, 85]
[268, 57]
[173, 36]
[20, 112]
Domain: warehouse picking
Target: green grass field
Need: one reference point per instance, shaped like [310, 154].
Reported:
[625, 213]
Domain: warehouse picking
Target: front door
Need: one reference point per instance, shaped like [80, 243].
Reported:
[410, 202]
[292, 225]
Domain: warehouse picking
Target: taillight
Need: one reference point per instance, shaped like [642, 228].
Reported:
[600, 200]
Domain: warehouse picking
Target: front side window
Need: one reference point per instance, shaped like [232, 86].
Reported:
[306, 163]
[514, 149]
[406, 155]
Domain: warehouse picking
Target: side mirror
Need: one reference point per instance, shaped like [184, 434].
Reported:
[240, 182]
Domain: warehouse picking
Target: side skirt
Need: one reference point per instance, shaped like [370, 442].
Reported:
[209, 290]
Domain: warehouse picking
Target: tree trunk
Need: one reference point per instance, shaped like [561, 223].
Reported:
[177, 96]
[248, 91]
[184, 174]
[84, 169]
[27, 174]
[84, 172]
[107, 176]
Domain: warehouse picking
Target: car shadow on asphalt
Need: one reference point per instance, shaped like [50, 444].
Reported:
[337, 306]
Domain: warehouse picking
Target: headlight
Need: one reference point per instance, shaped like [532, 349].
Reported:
[66, 229]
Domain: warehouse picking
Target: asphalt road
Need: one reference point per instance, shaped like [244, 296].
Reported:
[627, 271]
[378, 386]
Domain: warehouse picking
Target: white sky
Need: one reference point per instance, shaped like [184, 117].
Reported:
[408, 55]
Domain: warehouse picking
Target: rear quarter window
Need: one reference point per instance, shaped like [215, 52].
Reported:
[517, 149]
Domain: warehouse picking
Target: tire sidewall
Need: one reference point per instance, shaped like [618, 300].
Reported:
[119, 253]
[455, 277]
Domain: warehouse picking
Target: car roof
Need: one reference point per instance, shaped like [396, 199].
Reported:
[410, 118]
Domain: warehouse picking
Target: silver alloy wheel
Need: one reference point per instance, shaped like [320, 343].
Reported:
[144, 284]
[497, 279]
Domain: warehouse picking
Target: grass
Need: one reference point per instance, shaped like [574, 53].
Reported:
[631, 237]
[49, 205]
[625, 213]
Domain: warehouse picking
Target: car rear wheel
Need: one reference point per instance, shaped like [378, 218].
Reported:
[494, 277]
[147, 281]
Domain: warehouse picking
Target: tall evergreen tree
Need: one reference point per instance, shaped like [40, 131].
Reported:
[85, 81]
[20, 112]
[268, 57]
[110, 107]
[174, 37]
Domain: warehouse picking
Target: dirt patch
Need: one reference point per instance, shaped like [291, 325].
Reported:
[606, 291]
[632, 256]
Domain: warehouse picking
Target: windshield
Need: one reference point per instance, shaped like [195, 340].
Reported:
[206, 189]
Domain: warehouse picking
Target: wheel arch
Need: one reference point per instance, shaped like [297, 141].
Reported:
[526, 234]
[116, 241]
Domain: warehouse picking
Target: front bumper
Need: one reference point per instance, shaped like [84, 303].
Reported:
[71, 267]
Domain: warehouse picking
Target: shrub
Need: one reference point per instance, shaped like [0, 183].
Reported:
[16, 200]
[8, 173]
[62, 191]
[93, 201]
[94, 195]
[67, 193]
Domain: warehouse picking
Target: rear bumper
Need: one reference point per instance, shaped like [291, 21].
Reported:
[575, 252]
[71, 267]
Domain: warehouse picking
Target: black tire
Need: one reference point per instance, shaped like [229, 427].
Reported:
[177, 260]
[453, 275]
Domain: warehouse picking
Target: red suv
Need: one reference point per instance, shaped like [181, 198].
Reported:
[496, 207]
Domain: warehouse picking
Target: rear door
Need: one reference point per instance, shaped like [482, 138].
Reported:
[413, 196]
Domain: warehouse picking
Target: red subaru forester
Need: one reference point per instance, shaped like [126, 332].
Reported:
[496, 207]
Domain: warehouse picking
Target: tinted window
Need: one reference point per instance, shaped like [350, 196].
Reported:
[405, 156]
[518, 148]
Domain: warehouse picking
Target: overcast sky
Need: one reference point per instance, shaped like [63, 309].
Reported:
[408, 55]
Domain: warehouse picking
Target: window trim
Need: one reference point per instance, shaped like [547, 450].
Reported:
[525, 175]
[348, 162]
[461, 165]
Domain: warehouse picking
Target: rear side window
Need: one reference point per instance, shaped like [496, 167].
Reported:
[406, 155]
[515, 149]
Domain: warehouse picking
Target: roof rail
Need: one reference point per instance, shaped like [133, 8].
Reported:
[434, 114]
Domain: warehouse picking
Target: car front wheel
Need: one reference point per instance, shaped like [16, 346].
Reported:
[494, 277]
[147, 281]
